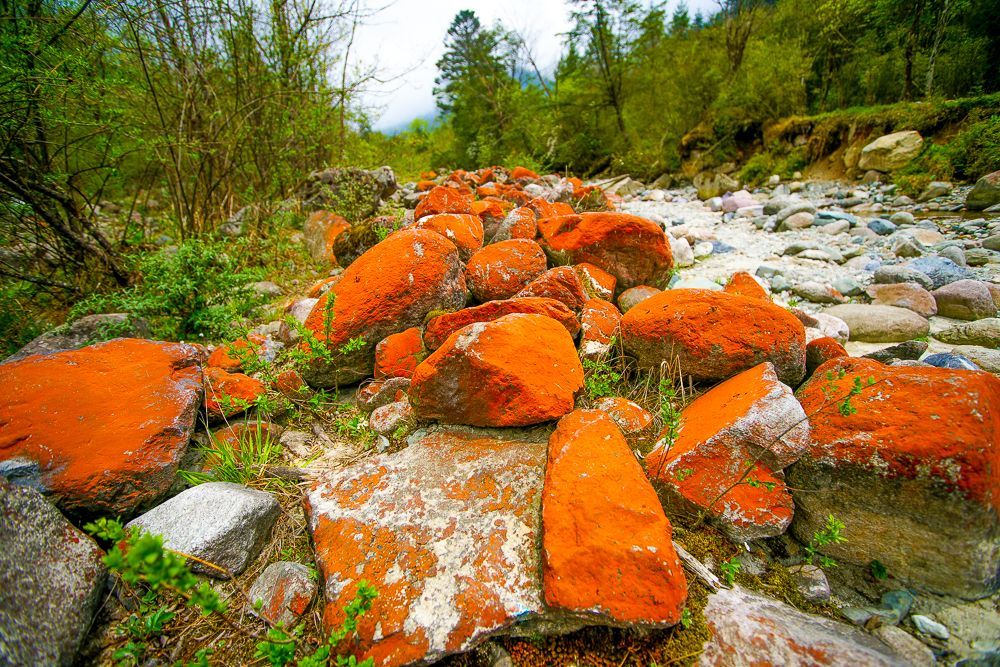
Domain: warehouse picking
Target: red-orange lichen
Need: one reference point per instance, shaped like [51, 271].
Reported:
[744, 284]
[397, 355]
[501, 270]
[442, 199]
[561, 283]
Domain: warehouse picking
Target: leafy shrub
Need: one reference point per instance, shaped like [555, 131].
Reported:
[18, 324]
[197, 290]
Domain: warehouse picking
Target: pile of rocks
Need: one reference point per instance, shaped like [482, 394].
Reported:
[518, 505]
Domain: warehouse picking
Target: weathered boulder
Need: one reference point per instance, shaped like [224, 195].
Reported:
[598, 283]
[911, 296]
[599, 322]
[731, 443]
[229, 394]
[561, 283]
[912, 474]
[520, 223]
[623, 571]
[821, 350]
[320, 231]
[223, 523]
[714, 335]
[632, 419]
[501, 270]
[464, 230]
[102, 429]
[446, 530]
[389, 289]
[517, 370]
[348, 190]
[940, 270]
[873, 323]
[750, 629]
[84, 331]
[985, 193]
[440, 327]
[891, 152]
[632, 249]
[397, 355]
[633, 296]
[52, 576]
[985, 333]
[282, 593]
[965, 300]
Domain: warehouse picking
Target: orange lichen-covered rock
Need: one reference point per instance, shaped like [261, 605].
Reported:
[749, 421]
[821, 350]
[388, 289]
[744, 284]
[289, 383]
[382, 392]
[465, 231]
[321, 230]
[523, 173]
[230, 357]
[440, 327]
[446, 530]
[397, 355]
[547, 209]
[492, 212]
[282, 593]
[599, 322]
[424, 186]
[912, 468]
[501, 270]
[514, 371]
[561, 283]
[443, 199]
[633, 296]
[607, 554]
[100, 430]
[632, 249]
[598, 283]
[322, 287]
[488, 190]
[633, 420]
[715, 335]
[228, 394]
[520, 223]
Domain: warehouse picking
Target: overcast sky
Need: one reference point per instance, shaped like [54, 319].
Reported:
[406, 40]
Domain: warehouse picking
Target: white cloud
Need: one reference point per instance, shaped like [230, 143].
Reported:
[406, 40]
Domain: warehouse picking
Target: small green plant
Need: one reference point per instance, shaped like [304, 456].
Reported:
[730, 568]
[670, 415]
[829, 534]
[353, 345]
[279, 648]
[879, 570]
[353, 425]
[686, 619]
[601, 379]
[683, 474]
[243, 462]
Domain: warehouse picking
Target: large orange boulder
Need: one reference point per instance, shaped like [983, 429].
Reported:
[714, 335]
[101, 430]
[520, 223]
[320, 231]
[443, 200]
[632, 249]
[911, 467]
[388, 289]
[523, 174]
[465, 231]
[397, 355]
[439, 328]
[821, 350]
[514, 371]
[599, 323]
[446, 530]
[561, 283]
[607, 554]
[501, 270]
[727, 453]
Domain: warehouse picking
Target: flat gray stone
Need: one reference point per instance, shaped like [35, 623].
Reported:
[84, 331]
[226, 524]
[984, 333]
[51, 578]
[282, 593]
[880, 324]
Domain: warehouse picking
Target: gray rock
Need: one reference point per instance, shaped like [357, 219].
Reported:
[836, 227]
[880, 324]
[981, 256]
[682, 252]
[793, 209]
[881, 227]
[954, 253]
[984, 333]
[818, 293]
[225, 524]
[284, 591]
[821, 255]
[894, 273]
[904, 295]
[824, 218]
[265, 288]
[900, 218]
[811, 582]
[796, 221]
[890, 152]
[992, 242]
[907, 246]
[780, 283]
[52, 578]
[85, 331]
[909, 351]
[940, 270]
[911, 649]
[764, 271]
[965, 300]
[748, 629]
[950, 360]
[984, 357]
[696, 282]
[930, 627]
[364, 190]
[847, 286]
[985, 193]
[935, 189]
[900, 602]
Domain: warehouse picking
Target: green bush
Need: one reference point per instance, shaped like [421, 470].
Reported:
[199, 289]
[18, 322]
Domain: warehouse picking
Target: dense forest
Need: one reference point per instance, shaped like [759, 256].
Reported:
[125, 124]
